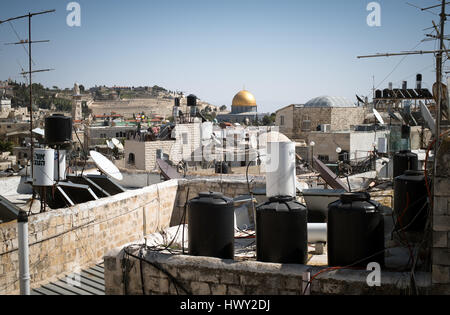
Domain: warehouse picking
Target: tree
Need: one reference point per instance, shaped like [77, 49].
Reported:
[223, 108]
[6, 146]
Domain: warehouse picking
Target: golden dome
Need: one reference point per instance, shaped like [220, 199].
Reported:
[244, 98]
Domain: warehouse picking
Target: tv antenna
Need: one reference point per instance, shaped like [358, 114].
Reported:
[30, 71]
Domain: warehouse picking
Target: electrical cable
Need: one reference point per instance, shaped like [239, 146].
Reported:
[158, 267]
[339, 268]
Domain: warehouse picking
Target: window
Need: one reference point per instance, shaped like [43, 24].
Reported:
[131, 159]
[324, 158]
[281, 120]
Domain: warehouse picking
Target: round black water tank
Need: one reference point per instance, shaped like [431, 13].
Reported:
[410, 201]
[58, 129]
[191, 100]
[404, 161]
[282, 231]
[378, 94]
[355, 231]
[211, 226]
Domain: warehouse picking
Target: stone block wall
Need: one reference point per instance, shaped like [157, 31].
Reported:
[441, 221]
[66, 239]
[212, 276]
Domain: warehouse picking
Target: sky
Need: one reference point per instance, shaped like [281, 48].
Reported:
[282, 51]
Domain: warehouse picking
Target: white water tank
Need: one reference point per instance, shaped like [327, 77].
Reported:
[60, 164]
[43, 167]
[280, 169]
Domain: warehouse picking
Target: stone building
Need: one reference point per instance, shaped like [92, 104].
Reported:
[141, 155]
[77, 111]
[324, 113]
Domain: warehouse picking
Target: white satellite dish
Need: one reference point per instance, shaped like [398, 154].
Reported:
[105, 165]
[215, 140]
[378, 116]
[253, 142]
[428, 117]
[110, 144]
[117, 143]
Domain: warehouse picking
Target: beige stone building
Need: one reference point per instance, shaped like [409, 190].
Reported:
[324, 113]
[141, 155]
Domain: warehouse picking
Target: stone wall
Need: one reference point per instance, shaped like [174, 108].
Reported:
[205, 276]
[340, 119]
[66, 239]
[441, 221]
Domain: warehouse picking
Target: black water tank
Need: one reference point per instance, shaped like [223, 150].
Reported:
[58, 129]
[410, 201]
[177, 101]
[404, 161]
[191, 100]
[355, 231]
[378, 94]
[211, 226]
[282, 231]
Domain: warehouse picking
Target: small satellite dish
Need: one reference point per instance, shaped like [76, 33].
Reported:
[360, 99]
[215, 140]
[428, 118]
[392, 115]
[253, 142]
[110, 144]
[117, 143]
[106, 166]
[378, 116]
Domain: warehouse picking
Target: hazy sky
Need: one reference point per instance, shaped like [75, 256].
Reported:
[283, 51]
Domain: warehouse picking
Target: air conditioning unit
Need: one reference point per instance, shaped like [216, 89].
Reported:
[325, 128]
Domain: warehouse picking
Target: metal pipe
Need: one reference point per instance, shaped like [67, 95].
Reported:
[317, 232]
[24, 268]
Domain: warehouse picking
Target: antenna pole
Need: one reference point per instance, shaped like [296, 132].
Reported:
[439, 71]
[29, 16]
[31, 94]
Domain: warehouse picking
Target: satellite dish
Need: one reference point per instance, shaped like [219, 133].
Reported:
[360, 99]
[253, 142]
[215, 140]
[110, 144]
[392, 115]
[117, 143]
[378, 116]
[106, 166]
[428, 118]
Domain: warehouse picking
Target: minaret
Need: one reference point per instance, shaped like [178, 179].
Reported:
[77, 113]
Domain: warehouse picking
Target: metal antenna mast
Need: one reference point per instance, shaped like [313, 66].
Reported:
[30, 72]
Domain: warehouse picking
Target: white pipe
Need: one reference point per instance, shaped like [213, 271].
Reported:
[24, 269]
[317, 232]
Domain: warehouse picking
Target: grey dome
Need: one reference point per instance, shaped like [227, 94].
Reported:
[330, 101]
